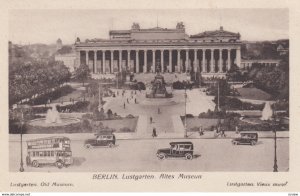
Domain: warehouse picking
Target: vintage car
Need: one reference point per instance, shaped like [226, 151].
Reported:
[176, 150]
[104, 139]
[246, 138]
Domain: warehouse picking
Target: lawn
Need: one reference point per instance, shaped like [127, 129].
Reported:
[253, 93]
[130, 123]
[206, 123]
[77, 95]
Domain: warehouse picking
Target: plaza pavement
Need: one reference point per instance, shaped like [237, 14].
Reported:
[167, 123]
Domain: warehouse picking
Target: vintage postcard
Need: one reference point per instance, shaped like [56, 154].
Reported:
[149, 96]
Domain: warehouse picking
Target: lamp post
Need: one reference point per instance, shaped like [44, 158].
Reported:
[275, 152]
[275, 167]
[185, 96]
[21, 142]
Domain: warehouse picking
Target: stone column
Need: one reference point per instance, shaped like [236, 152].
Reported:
[186, 60]
[103, 62]
[128, 60]
[195, 60]
[145, 61]
[228, 60]
[111, 61]
[203, 61]
[120, 60]
[212, 67]
[137, 64]
[170, 61]
[87, 57]
[153, 61]
[238, 57]
[220, 61]
[178, 61]
[95, 61]
[162, 61]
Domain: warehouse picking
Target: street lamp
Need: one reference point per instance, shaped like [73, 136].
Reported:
[185, 96]
[21, 142]
[275, 167]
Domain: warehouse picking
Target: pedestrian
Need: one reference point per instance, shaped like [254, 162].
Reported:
[158, 110]
[127, 100]
[223, 132]
[151, 119]
[201, 131]
[154, 133]
[135, 100]
[237, 129]
[124, 105]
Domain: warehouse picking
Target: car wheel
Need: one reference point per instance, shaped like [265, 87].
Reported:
[35, 164]
[161, 156]
[59, 164]
[110, 145]
[88, 146]
[234, 143]
[188, 156]
[253, 143]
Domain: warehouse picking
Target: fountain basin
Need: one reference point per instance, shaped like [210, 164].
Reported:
[42, 122]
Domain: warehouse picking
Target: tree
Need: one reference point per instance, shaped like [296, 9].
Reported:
[234, 74]
[82, 73]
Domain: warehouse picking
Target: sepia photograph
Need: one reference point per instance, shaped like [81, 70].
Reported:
[170, 90]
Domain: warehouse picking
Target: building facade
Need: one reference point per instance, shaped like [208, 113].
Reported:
[161, 50]
[69, 60]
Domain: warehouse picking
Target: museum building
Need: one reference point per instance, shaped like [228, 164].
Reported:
[161, 50]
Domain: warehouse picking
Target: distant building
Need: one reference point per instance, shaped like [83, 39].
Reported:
[262, 62]
[58, 44]
[68, 60]
[67, 55]
[282, 50]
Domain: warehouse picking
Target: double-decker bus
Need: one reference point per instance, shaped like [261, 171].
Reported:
[50, 150]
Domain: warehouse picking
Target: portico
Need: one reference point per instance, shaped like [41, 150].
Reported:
[209, 53]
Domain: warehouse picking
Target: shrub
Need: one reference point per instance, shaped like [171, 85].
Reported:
[229, 103]
[86, 125]
[129, 116]
[189, 115]
[182, 85]
[125, 130]
[43, 99]
[195, 129]
[80, 106]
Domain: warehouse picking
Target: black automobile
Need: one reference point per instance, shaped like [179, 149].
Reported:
[246, 138]
[101, 140]
[177, 150]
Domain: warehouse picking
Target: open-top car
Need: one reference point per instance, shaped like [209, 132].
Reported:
[102, 139]
[246, 138]
[177, 149]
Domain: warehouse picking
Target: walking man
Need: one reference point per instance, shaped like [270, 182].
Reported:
[151, 119]
[154, 132]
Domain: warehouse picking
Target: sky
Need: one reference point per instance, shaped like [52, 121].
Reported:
[46, 26]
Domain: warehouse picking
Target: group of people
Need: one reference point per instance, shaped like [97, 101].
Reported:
[219, 131]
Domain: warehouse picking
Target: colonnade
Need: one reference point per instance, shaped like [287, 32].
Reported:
[205, 60]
